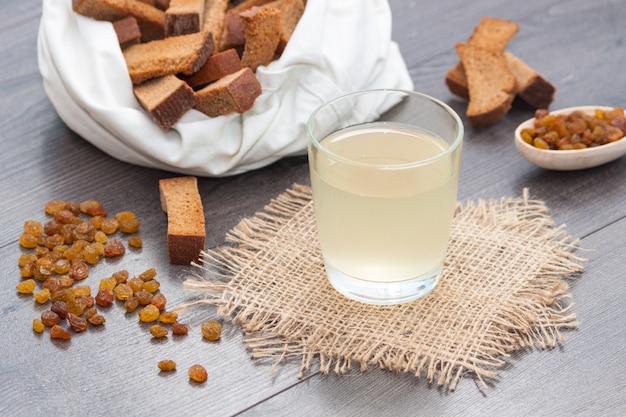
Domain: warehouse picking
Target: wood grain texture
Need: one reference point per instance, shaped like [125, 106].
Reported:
[577, 44]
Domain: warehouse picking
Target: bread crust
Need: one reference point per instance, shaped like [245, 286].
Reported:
[150, 19]
[234, 93]
[217, 66]
[177, 54]
[490, 82]
[186, 233]
[166, 98]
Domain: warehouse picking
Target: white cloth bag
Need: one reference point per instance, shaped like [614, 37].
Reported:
[337, 47]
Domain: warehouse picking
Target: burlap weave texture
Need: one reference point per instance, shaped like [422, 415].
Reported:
[503, 288]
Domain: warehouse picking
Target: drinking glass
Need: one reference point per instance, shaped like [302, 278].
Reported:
[384, 168]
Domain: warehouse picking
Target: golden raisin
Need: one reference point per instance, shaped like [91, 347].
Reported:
[167, 365]
[109, 226]
[109, 283]
[143, 297]
[131, 304]
[136, 284]
[120, 276]
[135, 242]
[197, 373]
[168, 317]
[38, 326]
[42, 296]
[148, 274]
[62, 266]
[96, 319]
[76, 306]
[124, 215]
[149, 313]
[123, 291]
[157, 331]
[100, 237]
[93, 208]
[26, 287]
[26, 258]
[58, 332]
[54, 206]
[129, 225]
[28, 241]
[211, 330]
[151, 286]
[33, 227]
[82, 290]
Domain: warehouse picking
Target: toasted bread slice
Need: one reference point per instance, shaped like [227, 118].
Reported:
[491, 84]
[493, 34]
[262, 29]
[234, 93]
[177, 54]
[166, 98]
[149, 18]
[531, 86]
[183, 17]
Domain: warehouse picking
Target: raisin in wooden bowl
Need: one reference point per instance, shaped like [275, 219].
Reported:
[584, 147]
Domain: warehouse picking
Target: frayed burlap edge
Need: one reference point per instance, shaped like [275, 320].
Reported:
[271, 281]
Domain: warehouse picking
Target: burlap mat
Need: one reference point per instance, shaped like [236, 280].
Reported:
[502, 289]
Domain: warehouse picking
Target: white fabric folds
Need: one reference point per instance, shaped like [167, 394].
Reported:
[337, 47]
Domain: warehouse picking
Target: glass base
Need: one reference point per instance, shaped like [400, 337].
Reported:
[382, 293]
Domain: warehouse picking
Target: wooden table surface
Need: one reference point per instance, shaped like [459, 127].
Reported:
[579, 45]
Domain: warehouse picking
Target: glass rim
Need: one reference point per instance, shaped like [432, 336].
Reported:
[456, 143]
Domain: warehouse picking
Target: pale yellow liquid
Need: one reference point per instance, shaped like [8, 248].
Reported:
[390, 222]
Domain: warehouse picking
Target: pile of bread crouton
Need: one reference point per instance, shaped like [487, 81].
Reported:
[200, 54]
[490, 76]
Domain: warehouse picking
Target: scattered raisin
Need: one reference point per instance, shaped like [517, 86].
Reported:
[179, 328]
[129, 225]
[114, 248]
[168, 317]
[197, 373]
[58, 332]
[158, 331]
[211, 330]
[59, 307]
[28, 241]
[159, 301]
[78, 270]
[93, 208]
[148, 274]
[123, 291]
[33, 227]
[135, 242]
[42, 296]
[50, 318]
[131, 304]
[105, 297]
[167, 365]
[120, 276]
[96, 319]
[26, 287]
[78, 324]
[38, 326]
[77, 306]
[151, 286]
[149, 313]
